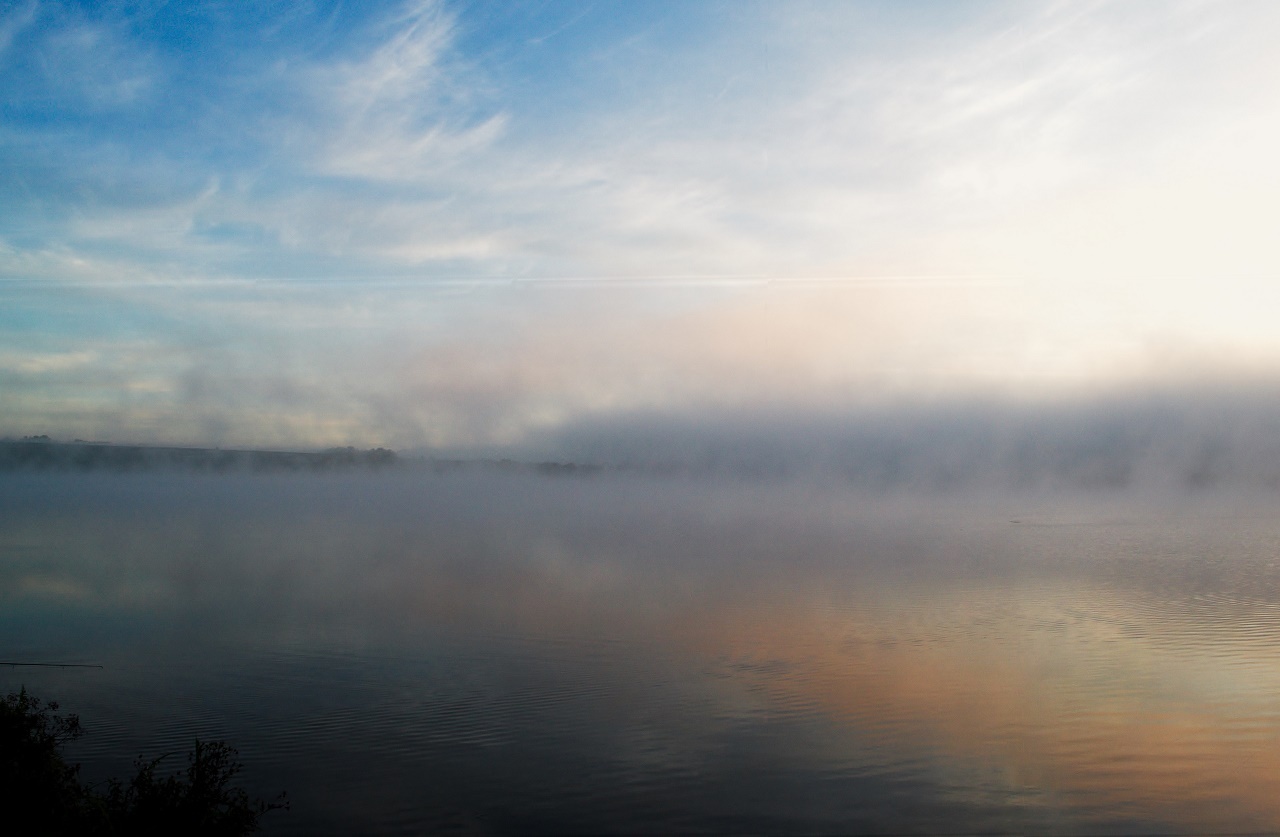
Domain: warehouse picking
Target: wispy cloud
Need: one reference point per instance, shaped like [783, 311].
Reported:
[398, 112]
[1113, 170]
[12, 22]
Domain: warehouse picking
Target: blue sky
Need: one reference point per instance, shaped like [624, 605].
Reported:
[461, 226]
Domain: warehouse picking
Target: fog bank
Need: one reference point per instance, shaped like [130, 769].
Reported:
[1192, 439]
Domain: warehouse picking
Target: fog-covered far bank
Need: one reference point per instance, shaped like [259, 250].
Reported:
[40, 453]
[1185, 440]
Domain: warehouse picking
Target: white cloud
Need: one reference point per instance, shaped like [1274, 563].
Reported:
[97, 64]
[18, 18]
[43, 363]
[393, 112]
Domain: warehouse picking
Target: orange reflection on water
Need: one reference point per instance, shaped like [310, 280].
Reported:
[1113, 723]
[1110, 707]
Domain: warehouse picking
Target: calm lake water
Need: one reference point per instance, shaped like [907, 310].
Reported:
[504, 653]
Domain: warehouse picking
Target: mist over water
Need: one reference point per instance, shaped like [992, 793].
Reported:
[503, 652]
[1184, 438]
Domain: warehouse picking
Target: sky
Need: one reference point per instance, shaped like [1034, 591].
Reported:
[462, 227]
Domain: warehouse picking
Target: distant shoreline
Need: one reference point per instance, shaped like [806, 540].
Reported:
[41, 453]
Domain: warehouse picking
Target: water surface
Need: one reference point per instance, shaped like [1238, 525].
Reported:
[508, 653]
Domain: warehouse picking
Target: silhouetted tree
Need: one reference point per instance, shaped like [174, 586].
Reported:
[36, 784]
[38, 787]
[198, 801]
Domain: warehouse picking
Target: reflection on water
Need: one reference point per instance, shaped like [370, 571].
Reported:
[506, 653]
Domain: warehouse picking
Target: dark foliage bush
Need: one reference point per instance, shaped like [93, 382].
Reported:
[38, 787]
